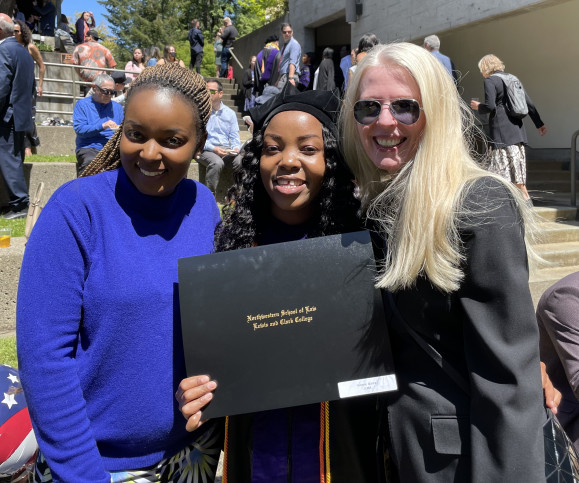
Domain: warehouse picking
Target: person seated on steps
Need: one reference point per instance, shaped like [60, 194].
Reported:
[223, 141]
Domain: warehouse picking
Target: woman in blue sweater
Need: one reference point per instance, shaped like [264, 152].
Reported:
[294, 184]
[100, 350]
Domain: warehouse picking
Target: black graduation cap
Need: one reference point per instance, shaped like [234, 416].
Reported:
[323, 105]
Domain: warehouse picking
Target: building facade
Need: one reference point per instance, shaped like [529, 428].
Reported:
[536, 40]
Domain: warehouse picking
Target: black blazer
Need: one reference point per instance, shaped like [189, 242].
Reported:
[326, 80]
[247, 82]
[504, 130]
[196, 41]
[487, 331]
[16, 85]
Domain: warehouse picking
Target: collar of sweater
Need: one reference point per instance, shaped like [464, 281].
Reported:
[152, 207]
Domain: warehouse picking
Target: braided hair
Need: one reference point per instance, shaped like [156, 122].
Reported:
[184, 82]
[249, 206]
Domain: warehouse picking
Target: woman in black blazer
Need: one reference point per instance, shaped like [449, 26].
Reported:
[507, 133]
[454, 239]
[248, 82]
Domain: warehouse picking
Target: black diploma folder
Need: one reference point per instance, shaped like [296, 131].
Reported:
[286, 324]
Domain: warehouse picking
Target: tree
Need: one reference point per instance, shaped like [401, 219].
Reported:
[143, 23]
[135, 23]
[254, 14]
[161, 22]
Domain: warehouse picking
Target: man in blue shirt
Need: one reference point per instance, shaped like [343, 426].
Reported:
[345, 64]
[223, 141]
[95, 119]
[291, 53]
[432, 44]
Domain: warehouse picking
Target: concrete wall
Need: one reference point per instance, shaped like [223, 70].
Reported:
[403, 20]
[540, 47]
[56, 141]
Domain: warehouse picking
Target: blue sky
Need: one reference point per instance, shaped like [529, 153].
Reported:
[71, 8]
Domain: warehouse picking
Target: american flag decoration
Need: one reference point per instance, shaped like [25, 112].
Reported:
[17, 441]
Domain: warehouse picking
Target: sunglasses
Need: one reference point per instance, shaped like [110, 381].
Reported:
[213, 91]
[106, 92]
[405, 111]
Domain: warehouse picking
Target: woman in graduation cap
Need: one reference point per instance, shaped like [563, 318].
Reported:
[294, 184]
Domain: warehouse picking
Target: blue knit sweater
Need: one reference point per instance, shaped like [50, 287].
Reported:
[98, 325]
[88, 118]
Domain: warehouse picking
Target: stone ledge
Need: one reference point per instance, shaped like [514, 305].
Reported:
[61, 140]
[10, 263]
[56, 140]
[55, 175]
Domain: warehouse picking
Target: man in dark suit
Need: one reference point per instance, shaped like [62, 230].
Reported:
[16, 86]
[196, 42]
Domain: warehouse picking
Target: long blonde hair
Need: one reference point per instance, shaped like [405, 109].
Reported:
[418, 210]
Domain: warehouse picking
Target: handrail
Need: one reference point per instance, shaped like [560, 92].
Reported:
[573, 168]
[86, 67]
[74, 81]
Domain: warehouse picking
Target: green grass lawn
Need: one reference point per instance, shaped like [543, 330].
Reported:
[19, 225]
[8, 352]
[16, 225]
[37, 158]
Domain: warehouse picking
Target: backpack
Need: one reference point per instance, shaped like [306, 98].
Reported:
[516, 103]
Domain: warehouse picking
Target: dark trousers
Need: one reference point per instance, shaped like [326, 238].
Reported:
[84, 157]
[31, 138]
[196, 58]
[214, 165]
[12, 166]
[225, 56]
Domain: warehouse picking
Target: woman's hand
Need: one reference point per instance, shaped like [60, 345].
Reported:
[543, 130]
[552, 395]
[474, 104]
[194, 393]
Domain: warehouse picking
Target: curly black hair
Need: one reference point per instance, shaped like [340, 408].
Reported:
[249, 205]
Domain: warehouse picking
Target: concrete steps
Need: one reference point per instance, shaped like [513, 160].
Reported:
[543, 279]
[560, 253]
[549, 181]
[560, 231]
[559, 244]
[57, 97]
